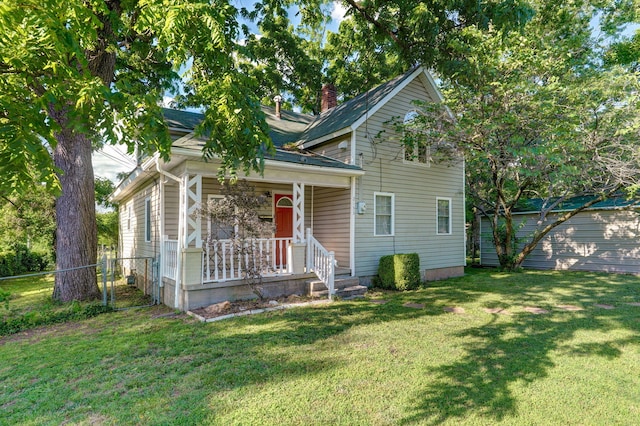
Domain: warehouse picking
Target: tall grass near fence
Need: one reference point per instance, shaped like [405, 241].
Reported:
[26, 302]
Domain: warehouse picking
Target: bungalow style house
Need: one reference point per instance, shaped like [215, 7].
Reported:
[342, 197]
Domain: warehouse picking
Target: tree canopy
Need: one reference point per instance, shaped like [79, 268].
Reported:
[82, 73]
[536, 114]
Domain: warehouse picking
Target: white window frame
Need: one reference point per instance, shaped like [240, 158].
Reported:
[416, 158]
[147, 219]
[449, 225]
[415, 155]
[211, 197]
[375, 213]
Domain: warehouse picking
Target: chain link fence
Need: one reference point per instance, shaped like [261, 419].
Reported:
[124, 282]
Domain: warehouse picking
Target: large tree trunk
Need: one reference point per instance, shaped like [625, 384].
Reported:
[76, 234]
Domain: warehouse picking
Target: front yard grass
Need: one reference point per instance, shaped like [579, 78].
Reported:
[349, 362]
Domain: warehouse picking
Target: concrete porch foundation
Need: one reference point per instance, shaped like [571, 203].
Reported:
[199, 295]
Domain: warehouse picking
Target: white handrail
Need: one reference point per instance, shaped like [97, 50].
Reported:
[221, 262]
[170, 261]
[322, 262]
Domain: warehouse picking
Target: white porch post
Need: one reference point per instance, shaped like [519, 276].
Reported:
[297, 248]
[189, 234]
[298, 212]
[192, 196]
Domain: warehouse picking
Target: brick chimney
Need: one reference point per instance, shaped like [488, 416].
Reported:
[329, 97]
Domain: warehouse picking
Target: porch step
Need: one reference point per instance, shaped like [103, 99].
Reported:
[345, 288]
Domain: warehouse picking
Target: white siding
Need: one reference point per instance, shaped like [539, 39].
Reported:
[605, 240]
[415, 187]
[132, 234]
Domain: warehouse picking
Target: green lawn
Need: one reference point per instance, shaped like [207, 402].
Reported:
[29, 292]
[350, 362]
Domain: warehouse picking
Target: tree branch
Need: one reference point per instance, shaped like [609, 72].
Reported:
[379, 25]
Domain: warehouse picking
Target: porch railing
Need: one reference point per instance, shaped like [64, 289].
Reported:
[322, 262]
[170, 260]
[222, 261]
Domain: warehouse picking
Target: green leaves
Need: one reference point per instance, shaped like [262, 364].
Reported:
[100, 68]
[539, 114]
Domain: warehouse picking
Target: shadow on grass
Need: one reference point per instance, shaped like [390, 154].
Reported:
[500, 353]
[135, 365]
[178, 365]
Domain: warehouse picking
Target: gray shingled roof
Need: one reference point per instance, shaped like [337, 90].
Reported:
[287, 128]
[614, 202]
[179, 119]
[347, 113]
[293, 127]
[287, 156]
[282, 131]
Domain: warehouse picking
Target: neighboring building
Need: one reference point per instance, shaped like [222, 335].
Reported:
[334, 174]
[605, 237]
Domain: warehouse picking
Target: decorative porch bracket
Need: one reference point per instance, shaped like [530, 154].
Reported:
[192, 193]
[298, 212]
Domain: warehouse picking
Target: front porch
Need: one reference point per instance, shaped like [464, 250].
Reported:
[223, 274]
[197, 270]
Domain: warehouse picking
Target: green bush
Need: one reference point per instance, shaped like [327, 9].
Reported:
[399, 271]
[20, 259]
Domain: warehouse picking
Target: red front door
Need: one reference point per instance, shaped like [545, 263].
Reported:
[284, 225]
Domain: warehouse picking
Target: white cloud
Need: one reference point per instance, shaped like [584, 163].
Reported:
[338, 12]
[111, 160]
[167, 101]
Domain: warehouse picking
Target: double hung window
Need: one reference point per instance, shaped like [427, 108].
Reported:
[384, 214]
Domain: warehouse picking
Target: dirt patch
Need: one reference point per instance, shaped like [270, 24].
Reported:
[603, 306]
[535, 310]
[34, 335]
[413, 305]
[245, 307]
[454, 309]
[569, 307]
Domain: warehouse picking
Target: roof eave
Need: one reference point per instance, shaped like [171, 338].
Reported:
[350, 171]
[325, 138]
[128, 185]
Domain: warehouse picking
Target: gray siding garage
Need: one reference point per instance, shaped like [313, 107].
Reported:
[601, 239]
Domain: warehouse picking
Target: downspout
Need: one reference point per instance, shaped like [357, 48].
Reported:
[352, 210]
[464, 221]
[180, 225]
[352, 227]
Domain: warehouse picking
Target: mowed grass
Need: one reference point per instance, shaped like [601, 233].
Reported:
[348, 362]
[29, 293]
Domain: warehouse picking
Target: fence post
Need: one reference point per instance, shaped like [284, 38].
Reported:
[155, 267]
[113, 278]
[104, 279]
